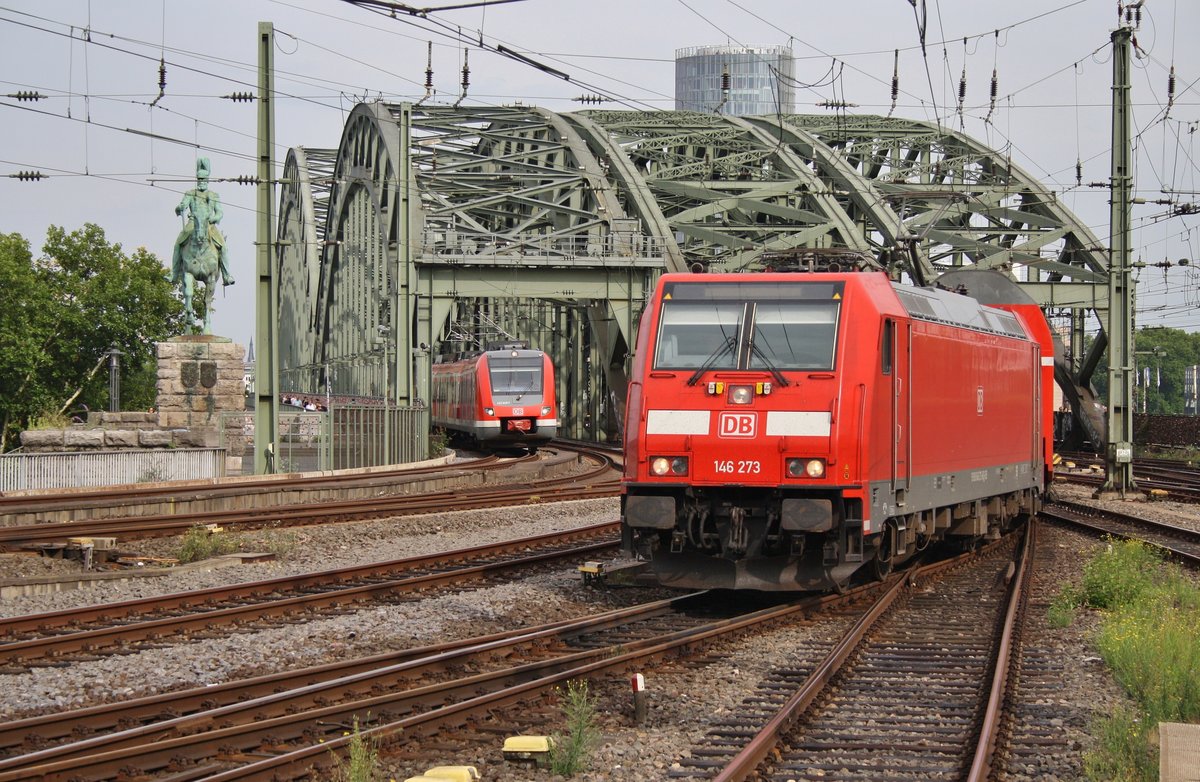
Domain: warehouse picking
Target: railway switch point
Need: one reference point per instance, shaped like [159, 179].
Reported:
[528, 749]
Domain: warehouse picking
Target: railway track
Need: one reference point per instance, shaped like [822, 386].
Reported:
[234, 733]
[97, 502]
[54, 638]
[600, 480]
[297, 718]
[899, 697]
[1174, 480]
[1180, 543]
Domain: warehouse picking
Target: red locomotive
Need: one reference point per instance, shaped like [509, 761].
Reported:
[501, 397]
[784, 430]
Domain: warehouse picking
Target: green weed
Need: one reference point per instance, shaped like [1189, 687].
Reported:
[1148, 639]
[1120, 575]
[1124, 752]
[200, 542]
[1061, 612]
[570, 753]
[362, 763]
[438, 440]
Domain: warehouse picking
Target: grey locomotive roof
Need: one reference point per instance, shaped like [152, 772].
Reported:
[941, 306]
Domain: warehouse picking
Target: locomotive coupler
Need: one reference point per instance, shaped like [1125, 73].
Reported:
[739, 536]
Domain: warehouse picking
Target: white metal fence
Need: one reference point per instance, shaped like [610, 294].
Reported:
[40, 471]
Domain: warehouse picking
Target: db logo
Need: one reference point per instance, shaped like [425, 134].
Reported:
[738, 424]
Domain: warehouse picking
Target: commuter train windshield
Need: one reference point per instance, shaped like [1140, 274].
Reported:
[748, 326]
[516, 379]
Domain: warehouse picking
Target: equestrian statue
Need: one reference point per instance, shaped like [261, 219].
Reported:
[200, 253]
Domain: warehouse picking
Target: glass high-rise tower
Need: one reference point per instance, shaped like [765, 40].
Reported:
[755, 86]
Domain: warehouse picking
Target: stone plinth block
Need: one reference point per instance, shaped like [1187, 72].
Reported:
[42, 438]
[202, 437]
[120, 438]
[154, 438]
[199, 378]
[83, 438]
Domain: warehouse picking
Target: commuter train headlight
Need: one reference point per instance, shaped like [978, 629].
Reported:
[489, 411]
[545, 411]
[806, 468]
[741, 395]
[668, 465]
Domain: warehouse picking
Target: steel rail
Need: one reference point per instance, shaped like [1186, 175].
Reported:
[743, 765]
[280, 694]
[1103, 522]
[985, 749]
[25, 623]
[599, 482]
[88, 499]
[428, 707]
[286, 684]
[90, 640]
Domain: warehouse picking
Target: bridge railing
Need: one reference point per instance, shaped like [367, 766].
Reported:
[43, 471]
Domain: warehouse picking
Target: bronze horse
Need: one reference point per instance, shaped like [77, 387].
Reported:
[200, 254]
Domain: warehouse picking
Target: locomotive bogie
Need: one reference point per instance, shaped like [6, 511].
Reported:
[784, 431]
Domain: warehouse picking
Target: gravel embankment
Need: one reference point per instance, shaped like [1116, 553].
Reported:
[683, 698]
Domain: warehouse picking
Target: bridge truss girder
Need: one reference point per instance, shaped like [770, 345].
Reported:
[430, 225]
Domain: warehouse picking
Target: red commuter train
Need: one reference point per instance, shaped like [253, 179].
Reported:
[501, 397]
[784, 430]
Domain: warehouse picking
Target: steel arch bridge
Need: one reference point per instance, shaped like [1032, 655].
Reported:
[432, 228]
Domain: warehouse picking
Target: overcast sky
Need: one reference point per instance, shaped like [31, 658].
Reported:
[92, 134]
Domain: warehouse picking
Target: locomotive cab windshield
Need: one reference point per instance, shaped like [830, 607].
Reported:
[516, 378]
[753, 327]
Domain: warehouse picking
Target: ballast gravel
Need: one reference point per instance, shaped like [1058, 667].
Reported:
[683, 697]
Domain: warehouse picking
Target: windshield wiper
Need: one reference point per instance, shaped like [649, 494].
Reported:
[779, 378]
[719, 351]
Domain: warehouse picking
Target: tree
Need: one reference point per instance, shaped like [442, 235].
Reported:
[62, 313]
[1166, 353]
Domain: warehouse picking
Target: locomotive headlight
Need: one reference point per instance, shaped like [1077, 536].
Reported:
[669, 465]
[488, 411]
[741, 395]
[810, 468]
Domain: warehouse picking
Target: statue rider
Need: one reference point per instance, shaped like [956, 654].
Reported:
[204, 212]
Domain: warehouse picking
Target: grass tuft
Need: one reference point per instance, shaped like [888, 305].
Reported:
[201, 543]
[362, 762]
[571, 752]
[1148, 639]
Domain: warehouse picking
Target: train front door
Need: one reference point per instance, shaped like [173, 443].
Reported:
[901, 456]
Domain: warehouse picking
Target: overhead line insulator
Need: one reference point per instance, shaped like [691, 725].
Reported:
[241, 97]
[25, 95]
[27, 176]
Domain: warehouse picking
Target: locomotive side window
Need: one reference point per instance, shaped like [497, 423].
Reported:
[794, 335]
[516, 379]
[694, 333]
[889, 340]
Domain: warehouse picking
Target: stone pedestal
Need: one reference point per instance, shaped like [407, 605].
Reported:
[200, 377]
